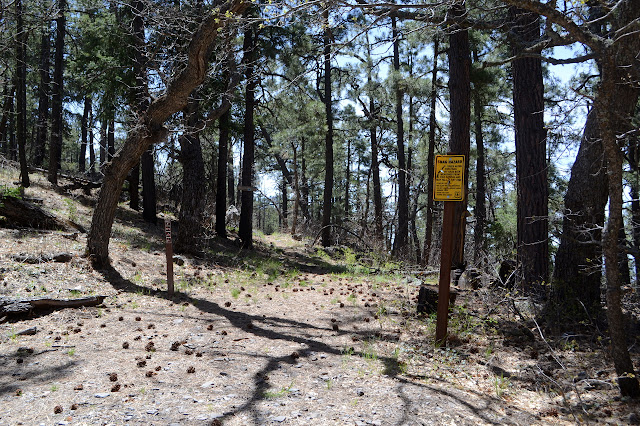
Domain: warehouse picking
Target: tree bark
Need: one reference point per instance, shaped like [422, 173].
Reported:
[190, 218]
[578, 271]
[296, 187]
[21, 94]
[7, 112]
[92, 153]
[459, 142]
[149, 208]
[245, 230]
[634, 192]
[401, 240]
[43, 98]
[378, 234]
[111, 139]
[480, 212]
[140, 91]
[221, 181]
[103, 142]
[531, 166]
[84, 135]
[328, 155]
[150, 128]
[55, 145]
[347, 179]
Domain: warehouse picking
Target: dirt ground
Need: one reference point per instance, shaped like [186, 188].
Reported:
[284, 335]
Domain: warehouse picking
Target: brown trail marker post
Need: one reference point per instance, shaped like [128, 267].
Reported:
[169, 250]
[448, 186]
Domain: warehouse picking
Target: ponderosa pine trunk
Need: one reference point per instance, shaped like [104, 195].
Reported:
[578, 263]
[428, 229]
[21, 94]
[149, 207]
[245, 230]
[7, 113]
[190, 218]
[221, 181]
[531, 150]
[401, 240]
[55, 145]
[460, 139]
[42, 126]
[84, 135]
[140, 92]
[479, 211]
[328, 154]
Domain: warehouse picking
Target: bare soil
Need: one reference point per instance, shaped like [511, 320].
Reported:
[285, 334]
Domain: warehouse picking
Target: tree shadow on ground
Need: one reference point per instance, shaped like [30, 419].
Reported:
[10, 379]
[258, 328]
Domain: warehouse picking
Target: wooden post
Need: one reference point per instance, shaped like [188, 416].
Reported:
[449, 188]
[445, 272]
[169, 250]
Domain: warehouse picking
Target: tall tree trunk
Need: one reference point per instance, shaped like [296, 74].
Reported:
[103, 142]
[92, 153]
[378, 235]
[623, 259]
[55, 146]
[304, 190]
[531, 166]
[221, 181]
[459, 142]
[634, 192]
[21, 95]
[111, 139]
[231, 180]
[347, 180]
[84, 132]
[428, 228]
[617, 99]
[479, 209]
[7, 112]
[149, 208]
[578, 271]
[296, 187]
[328, 155]
[284, 220]
[43, 98]
[612, 76]
[413, 230]
[401, 240]
[190, 218]
[140, 91]
[245, 231]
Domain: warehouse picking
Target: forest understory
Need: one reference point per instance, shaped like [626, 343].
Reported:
[284, 334]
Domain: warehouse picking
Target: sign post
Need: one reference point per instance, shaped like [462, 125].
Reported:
[169, 250]
[448, 187]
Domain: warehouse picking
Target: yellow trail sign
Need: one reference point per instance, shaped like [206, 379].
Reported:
[449, 178]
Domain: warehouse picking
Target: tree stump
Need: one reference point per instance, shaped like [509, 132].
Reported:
[428, 299]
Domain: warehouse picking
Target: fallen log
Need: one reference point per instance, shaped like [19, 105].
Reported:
[25, 306]
[61, 257]
[15, 212]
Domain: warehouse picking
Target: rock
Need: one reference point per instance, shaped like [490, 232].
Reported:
[359, 392]
[178, 260]
[102, 395]
[278, 419]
